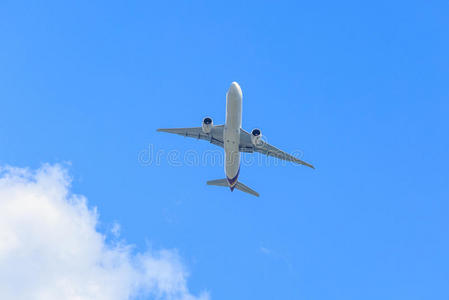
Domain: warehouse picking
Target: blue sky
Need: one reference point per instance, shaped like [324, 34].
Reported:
[360, 88]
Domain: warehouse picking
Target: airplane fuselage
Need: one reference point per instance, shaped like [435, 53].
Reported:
[231, 133]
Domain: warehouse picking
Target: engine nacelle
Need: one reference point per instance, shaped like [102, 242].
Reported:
[207, 124]
[256, 136]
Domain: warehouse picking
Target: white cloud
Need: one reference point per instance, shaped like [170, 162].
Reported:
[50, 248]
[265, 250]
[115, 230]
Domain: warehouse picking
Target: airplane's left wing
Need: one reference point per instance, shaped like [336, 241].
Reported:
[270, 150]
[267, 149]
[215, 136]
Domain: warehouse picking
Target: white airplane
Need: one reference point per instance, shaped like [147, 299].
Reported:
[234, 140]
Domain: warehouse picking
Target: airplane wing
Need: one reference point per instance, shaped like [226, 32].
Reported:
[247, 146]
[215, 136]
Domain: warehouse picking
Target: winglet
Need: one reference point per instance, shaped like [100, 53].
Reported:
[310, 166]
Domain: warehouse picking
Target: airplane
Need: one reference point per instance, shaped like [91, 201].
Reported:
[234, 140]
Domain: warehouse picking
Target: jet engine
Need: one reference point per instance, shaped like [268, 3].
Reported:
[256, 136]
[207, 124]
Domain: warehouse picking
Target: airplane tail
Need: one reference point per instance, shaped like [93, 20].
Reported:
[240, 186]
[218, 182]
[244, 188]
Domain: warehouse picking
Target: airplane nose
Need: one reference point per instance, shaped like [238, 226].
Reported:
[235, 89]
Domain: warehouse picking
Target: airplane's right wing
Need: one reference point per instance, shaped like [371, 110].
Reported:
[215, 136]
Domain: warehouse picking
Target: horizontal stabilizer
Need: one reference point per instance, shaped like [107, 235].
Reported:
[218, 182]
[240, 186]
[244, 188]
